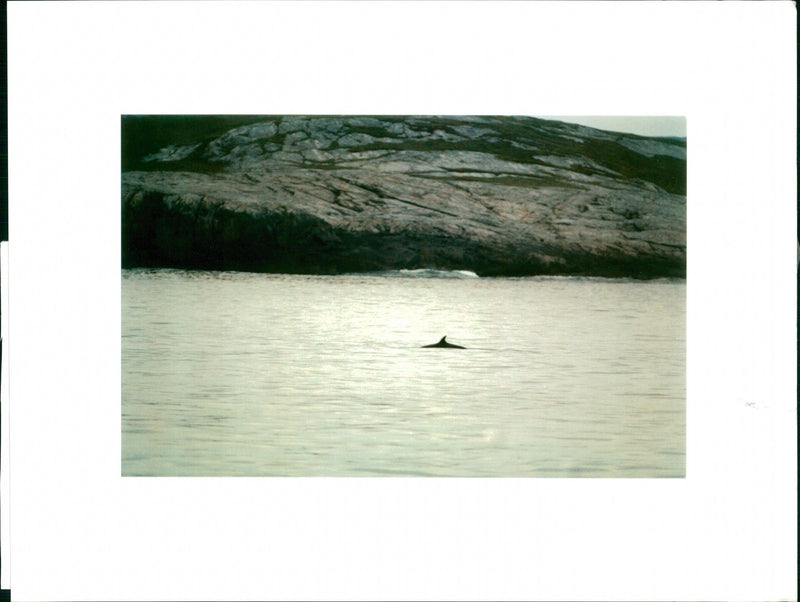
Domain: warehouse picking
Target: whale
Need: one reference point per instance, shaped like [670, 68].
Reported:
[444, 344]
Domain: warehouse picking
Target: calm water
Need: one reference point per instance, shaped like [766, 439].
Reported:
[258, 374]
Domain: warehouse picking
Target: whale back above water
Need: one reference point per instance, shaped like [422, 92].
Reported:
[444, 344]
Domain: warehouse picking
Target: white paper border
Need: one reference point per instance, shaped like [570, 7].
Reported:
[5, 431]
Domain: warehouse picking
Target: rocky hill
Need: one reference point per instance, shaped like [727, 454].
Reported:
[495, 195]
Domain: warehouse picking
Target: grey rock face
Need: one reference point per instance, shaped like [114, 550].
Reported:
[171, 153]
[495, 195]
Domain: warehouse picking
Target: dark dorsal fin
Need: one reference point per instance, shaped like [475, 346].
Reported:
[443, 339]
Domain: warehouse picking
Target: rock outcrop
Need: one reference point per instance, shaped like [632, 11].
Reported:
[495, 195]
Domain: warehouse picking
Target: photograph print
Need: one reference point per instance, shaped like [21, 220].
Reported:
[403, 296]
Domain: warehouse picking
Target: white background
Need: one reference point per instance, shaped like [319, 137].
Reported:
[80, 531]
